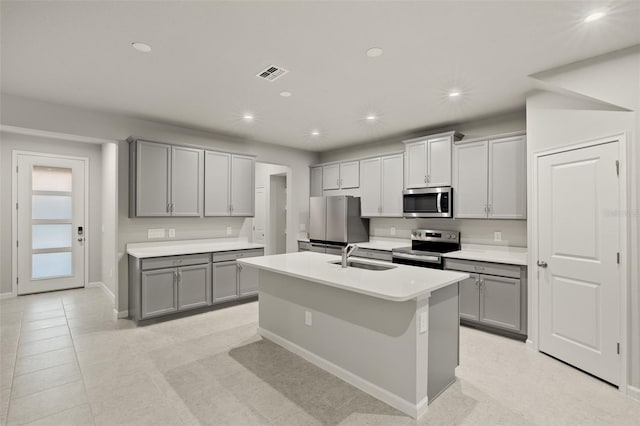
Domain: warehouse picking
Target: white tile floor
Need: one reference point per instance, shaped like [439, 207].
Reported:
[65, 360]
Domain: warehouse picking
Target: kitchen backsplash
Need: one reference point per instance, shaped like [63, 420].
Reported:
[472, 231]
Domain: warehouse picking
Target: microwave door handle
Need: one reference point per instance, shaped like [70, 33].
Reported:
[439, 202]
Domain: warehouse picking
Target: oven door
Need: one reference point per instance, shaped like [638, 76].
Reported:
[428, 202]
[433, 262]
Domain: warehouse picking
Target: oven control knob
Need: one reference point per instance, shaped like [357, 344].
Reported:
[451, 236]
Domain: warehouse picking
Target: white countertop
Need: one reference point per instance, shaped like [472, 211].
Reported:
[398, 284]
[486, 253]
[174, 248]
[385, 244]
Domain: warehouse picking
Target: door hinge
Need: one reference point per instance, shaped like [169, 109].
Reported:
[16, 243]
[17, 280]
[16, 206]
[617, 167]
[618, 257]
[16, 169]
[618, 348]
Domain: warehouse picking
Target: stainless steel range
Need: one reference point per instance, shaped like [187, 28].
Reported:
[427, 247]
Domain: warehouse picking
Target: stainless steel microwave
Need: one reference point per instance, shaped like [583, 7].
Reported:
[428, 202]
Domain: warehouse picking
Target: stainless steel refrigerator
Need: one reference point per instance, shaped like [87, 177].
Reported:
[336, 222]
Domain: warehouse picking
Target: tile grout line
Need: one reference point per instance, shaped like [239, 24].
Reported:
[73, 345]
[13, 372]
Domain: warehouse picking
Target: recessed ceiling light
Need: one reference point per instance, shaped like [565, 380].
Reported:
[285, 94]
[315, 133]
[454, 93]
[374, 52]
[371, 117]
[141, 47]
[248, 117]
[594, 16]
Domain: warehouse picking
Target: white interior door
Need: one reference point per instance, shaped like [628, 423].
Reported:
[51, 224]
[260, 218]
[579, 241]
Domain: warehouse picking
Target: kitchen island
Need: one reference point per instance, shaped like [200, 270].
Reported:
[391, 332]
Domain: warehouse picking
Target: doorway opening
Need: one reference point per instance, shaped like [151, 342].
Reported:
[272, 217]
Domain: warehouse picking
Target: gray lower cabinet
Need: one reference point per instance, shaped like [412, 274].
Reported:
[225, 286]
[232, 280]
[164, 285]
[194, 290]
[494, 295]
[159, 292]
[247, 280]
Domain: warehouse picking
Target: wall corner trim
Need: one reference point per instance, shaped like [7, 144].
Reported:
[104, 288]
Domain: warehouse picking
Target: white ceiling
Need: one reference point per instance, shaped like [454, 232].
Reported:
[201, 72]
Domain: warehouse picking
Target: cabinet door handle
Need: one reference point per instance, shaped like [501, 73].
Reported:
[425, 179]
[428, 178]
[488, 208]
[168, 207]
[485, 208]
[175, 277]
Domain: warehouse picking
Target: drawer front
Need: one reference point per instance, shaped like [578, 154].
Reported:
[173, 261]
[373, 254]
[226, 256]
[487, 268]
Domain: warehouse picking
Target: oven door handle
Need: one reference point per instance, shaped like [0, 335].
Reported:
[439, 202]
[421, 258]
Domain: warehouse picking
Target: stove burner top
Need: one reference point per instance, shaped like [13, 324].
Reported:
[427, 247]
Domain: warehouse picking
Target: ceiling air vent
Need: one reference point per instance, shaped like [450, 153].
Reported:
[272, 73]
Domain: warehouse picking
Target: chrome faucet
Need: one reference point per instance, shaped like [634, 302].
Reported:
[346, 252]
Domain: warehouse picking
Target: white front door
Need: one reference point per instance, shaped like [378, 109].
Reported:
[51, 225]
[578, 195]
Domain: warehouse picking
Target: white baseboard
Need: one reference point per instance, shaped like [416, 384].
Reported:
[105, 288]
[413, 410]
[7, 295]
[633, 392]
[529, 344]
[121, 314]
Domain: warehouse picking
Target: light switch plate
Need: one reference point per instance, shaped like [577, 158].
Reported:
[229, 230]
[155, 233]
[172, 233]
[392, 231]
[497, 236]
[308, 319]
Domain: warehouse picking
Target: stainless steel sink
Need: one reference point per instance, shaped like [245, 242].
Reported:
[364, 265]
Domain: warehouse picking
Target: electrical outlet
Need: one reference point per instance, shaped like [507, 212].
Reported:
[392, 231]
[155, 233]
[172, 233]
[308, 320]
[422, 322]
[497, 236]
[229, 230]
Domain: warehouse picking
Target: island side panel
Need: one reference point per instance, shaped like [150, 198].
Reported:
[444, 339]
[374, 339]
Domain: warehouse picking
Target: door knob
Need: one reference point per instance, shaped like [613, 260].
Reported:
[542, 263]
[81, 239]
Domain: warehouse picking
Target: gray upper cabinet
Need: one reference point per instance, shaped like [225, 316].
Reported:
[341, 175]
[381, 184]
[242, 185]
[165, 180]
[428, 160]
[315, 189]
[470, 180]
[150, 165]
[229, 184]
[507, 196]
[187, 171]
[490, 178]
[331, 177]
[217, 172]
